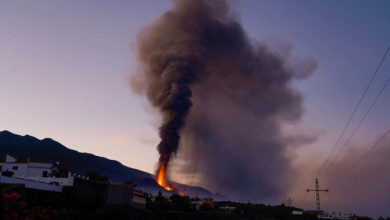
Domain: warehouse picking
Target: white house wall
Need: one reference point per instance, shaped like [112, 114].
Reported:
[139, 200]
[20, 171]
[40, 165]
[36, 172]
[9, 158]
[30, 184]
[30, 169]
[61, 181]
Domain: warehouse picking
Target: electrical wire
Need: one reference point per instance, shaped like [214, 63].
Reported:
[353, 113]
[360, 122]
[338, 181]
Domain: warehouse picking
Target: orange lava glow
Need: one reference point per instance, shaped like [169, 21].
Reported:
[161, 178]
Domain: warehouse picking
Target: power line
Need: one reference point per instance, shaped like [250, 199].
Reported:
[325, 163]
[360, 122]
[361, 159]
[353, 113]
[317, 190]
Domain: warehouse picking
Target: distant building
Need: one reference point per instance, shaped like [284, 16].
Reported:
[43, 176]
[95, 192]
[197, 204]
[333, 215]
[209, 202]
[124, 195]
[297, 212]
[33, 175]
[227, 209]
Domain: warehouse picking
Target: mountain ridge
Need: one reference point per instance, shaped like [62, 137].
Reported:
[40, 150]
[49, 150]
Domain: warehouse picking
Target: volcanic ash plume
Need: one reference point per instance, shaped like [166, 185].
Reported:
[222, 98]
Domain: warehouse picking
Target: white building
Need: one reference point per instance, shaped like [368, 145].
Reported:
[32, 174]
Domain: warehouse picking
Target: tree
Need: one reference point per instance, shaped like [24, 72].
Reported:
[59, 171]
[95, 176]
[130, 183]
[180, 202]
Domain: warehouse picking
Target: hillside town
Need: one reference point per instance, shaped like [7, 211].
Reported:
[28, 186]
[47, 177]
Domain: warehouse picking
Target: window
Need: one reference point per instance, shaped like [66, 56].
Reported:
[15, 167]
[44, 174]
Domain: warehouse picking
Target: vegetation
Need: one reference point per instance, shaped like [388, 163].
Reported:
[95, 176]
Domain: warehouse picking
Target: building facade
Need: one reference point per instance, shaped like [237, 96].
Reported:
[32, 174]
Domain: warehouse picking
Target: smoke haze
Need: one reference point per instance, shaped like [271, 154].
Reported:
[364, 190]
[223, 99]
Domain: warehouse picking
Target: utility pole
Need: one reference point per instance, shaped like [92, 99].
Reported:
[289, 202]
[318, 190]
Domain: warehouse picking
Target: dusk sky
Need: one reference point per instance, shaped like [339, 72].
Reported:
[65, 69]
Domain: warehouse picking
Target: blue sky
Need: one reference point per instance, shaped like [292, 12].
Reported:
[65, 69]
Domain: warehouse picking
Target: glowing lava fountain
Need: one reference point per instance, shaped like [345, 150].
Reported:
[162, 178]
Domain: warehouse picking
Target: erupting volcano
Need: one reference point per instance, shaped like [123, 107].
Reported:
[170, 70]
[162, 179]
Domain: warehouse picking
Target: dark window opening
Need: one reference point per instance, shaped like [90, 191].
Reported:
[15, 167]
[44, 174]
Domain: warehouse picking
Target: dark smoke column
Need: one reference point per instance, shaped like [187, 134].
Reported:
[222, 97]
[172, 58]
[170, 92]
